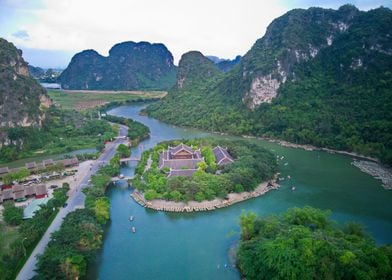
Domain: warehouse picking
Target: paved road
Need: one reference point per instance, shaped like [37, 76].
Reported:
[75, 201]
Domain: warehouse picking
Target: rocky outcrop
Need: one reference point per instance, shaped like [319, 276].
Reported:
[129, 66]
[296, 37]
[193, 69]
[21, 96]
[262, 90]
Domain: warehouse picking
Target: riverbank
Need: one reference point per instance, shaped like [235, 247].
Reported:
[369, 165]
[377, 171]
[206, 205]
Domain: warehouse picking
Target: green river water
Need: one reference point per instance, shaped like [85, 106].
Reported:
[196, 245]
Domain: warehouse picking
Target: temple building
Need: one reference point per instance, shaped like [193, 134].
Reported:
[182, 160]
[222, 157]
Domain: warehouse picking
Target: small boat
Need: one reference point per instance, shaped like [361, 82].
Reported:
[131, 218]
[133, 229]
[288, 177]
[121, 176]
[293, 188]
[286, 163]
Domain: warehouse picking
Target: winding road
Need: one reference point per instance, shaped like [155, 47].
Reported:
[75, 201]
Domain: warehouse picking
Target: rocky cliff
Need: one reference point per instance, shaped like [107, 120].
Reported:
[129, 66]
[21, 97]
[318, 76]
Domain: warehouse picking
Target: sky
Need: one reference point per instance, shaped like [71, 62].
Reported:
[50, 32]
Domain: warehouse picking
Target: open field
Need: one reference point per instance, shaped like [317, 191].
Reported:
[88, 99]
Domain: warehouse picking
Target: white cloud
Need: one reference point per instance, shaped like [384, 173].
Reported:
[214, 27]
[222, 28]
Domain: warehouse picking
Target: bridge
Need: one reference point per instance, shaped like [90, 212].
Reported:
[115, 179]
[129, 159]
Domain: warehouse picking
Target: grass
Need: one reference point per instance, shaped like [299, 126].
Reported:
[84, 99]
[8, 234]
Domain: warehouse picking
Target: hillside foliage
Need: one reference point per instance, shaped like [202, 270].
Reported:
[306, 244]
[338, 97]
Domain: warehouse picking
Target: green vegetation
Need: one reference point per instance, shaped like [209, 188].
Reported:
[306, 244]
[129, 66]
[61, 132]
[19, 175]
[12, 215]
[339, 99]
[252, 165]
[83, 100]
[136, 130]
[17, 243]
[73, 246]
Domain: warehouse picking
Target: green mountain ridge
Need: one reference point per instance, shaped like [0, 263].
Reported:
[129, 66]
[318, 76]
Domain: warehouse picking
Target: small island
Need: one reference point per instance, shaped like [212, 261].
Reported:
[203, 174]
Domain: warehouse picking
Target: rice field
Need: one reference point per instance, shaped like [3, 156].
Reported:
[87, 99]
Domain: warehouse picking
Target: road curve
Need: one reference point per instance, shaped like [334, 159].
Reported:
[75, 201]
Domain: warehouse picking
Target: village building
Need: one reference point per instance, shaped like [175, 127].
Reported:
[3, 171]
[30, 190]
[31, 166]
[48, 162]
[69, 162]
[20, 191]
[222, 157]
[41, 191]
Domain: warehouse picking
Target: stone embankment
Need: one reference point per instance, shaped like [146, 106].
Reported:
[191, 206]
[377, 171]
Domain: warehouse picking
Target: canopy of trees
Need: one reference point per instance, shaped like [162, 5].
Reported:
[306, 244]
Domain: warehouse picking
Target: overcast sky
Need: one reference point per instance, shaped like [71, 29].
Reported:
[50, 31]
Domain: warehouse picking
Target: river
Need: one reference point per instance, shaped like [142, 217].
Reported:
[196, 245]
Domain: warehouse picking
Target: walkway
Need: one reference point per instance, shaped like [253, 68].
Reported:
[172, 206]
[75, 201]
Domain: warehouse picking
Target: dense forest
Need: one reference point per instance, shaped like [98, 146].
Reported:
[329, 75]
[306, 244]
[252, 165]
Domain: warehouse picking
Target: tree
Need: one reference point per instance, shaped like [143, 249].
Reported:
[150, 195]
[247, 222]
[102, 210]
[12, 215]
[123, 151]
[306, 244]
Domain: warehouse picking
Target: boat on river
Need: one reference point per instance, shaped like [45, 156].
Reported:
[133, 229]
[131, 218]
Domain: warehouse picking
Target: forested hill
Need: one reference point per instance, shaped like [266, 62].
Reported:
[129, 66]
[318, 76]
[21, 96]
